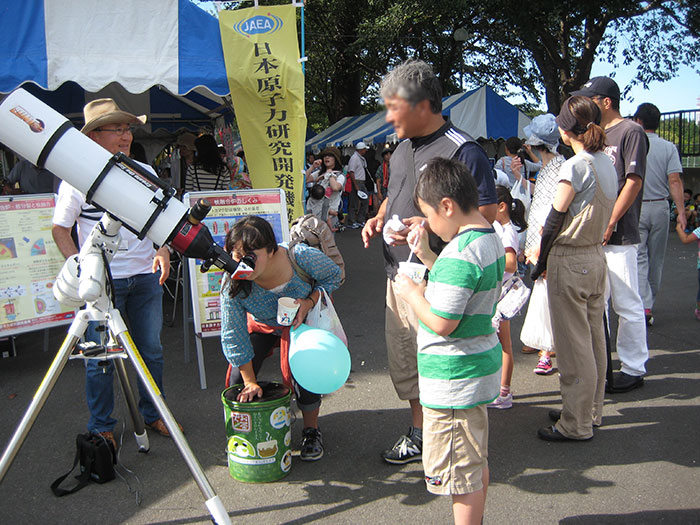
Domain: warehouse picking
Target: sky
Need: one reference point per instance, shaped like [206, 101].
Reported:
[681, 92]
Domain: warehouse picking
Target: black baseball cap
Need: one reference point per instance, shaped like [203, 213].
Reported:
[599, 86]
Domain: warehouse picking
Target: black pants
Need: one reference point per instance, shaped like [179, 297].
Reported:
[262, 345]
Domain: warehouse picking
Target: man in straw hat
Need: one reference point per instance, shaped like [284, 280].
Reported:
[138, 272]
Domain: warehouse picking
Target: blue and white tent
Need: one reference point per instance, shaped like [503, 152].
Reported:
[138, 44]
[481, 112]
[163, 59]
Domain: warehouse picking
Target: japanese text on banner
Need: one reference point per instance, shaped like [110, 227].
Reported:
[261, 52]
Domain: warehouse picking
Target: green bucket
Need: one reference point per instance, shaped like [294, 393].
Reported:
[258, 434]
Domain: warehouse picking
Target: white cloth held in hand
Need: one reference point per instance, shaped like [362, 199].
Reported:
[393, 225]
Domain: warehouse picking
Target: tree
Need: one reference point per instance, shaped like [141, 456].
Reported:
[351, 48]
[543, 46]
[684, 132]
[525, 48]
[562, 39]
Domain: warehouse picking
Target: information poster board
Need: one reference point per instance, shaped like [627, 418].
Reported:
[226, 208]
[29, 264]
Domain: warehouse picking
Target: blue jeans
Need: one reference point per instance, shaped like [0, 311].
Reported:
[140, 301]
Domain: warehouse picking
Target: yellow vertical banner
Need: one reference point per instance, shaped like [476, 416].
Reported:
[261, 52]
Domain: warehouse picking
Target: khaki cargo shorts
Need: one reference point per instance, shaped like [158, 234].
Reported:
[455, 449]
[401, 330]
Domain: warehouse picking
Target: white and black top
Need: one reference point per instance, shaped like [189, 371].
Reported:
[199, 179]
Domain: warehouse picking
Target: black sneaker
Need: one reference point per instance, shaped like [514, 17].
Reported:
[404, 451]
[311, 445]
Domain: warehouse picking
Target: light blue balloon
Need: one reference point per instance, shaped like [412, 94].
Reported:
[318, 359]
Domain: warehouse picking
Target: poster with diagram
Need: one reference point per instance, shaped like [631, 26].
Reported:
[226, 208]
[29, 264]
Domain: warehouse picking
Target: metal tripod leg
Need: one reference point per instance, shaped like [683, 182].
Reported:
[139, 428]
[75, 332]
[119, 331]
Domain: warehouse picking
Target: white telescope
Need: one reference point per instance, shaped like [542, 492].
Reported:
[113, 183]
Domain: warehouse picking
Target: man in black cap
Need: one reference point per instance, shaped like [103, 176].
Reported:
[627, 148]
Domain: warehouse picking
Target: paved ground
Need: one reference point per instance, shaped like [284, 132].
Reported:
[642, 466]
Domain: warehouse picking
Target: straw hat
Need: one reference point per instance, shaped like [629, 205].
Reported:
[187, 140]
[103, 111]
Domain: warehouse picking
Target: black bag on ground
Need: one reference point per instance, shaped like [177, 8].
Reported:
[97, 458]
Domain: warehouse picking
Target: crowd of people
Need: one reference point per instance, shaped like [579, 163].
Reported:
[590, 222]
[597, 187]
[345, 194]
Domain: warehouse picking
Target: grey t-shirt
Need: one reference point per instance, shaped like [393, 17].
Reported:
[662, 160]
[357, 164]
[577, 170]
[627, 148]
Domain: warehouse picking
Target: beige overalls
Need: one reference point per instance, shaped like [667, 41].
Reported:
[576, 275]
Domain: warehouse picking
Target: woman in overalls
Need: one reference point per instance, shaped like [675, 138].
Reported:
[571, 253]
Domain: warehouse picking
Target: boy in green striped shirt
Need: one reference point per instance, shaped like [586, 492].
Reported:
[459, 356]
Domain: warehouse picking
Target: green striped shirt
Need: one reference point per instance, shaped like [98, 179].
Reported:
[463, 369]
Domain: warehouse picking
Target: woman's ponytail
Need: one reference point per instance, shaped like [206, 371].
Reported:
[581, 116]
[594, 138]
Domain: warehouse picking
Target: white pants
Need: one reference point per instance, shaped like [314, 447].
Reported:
[631, 329]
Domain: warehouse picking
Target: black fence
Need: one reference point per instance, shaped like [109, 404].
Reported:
[683, 129]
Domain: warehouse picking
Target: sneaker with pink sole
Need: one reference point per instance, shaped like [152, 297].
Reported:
[544, 366]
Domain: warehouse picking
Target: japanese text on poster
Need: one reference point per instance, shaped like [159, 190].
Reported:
[29, 264]
[226, 208]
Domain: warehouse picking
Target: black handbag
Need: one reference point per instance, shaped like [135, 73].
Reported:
[97, 458]
[369, 181]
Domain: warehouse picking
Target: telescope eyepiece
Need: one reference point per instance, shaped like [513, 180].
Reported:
[199, 211]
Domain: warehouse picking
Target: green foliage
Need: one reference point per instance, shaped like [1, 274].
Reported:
[543, 46]
[683, 132]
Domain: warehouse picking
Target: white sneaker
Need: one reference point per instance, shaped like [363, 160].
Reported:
[502, 402]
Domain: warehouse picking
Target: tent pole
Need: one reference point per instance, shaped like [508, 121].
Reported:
[303, 40]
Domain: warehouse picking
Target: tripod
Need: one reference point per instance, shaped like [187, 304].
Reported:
[101, 309]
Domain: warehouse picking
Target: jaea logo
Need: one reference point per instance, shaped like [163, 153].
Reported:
[258, 24]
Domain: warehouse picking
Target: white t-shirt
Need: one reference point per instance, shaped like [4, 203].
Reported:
[335, 196]
[577, 170]
[357, 164]
[510, 239]
[134, 256]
